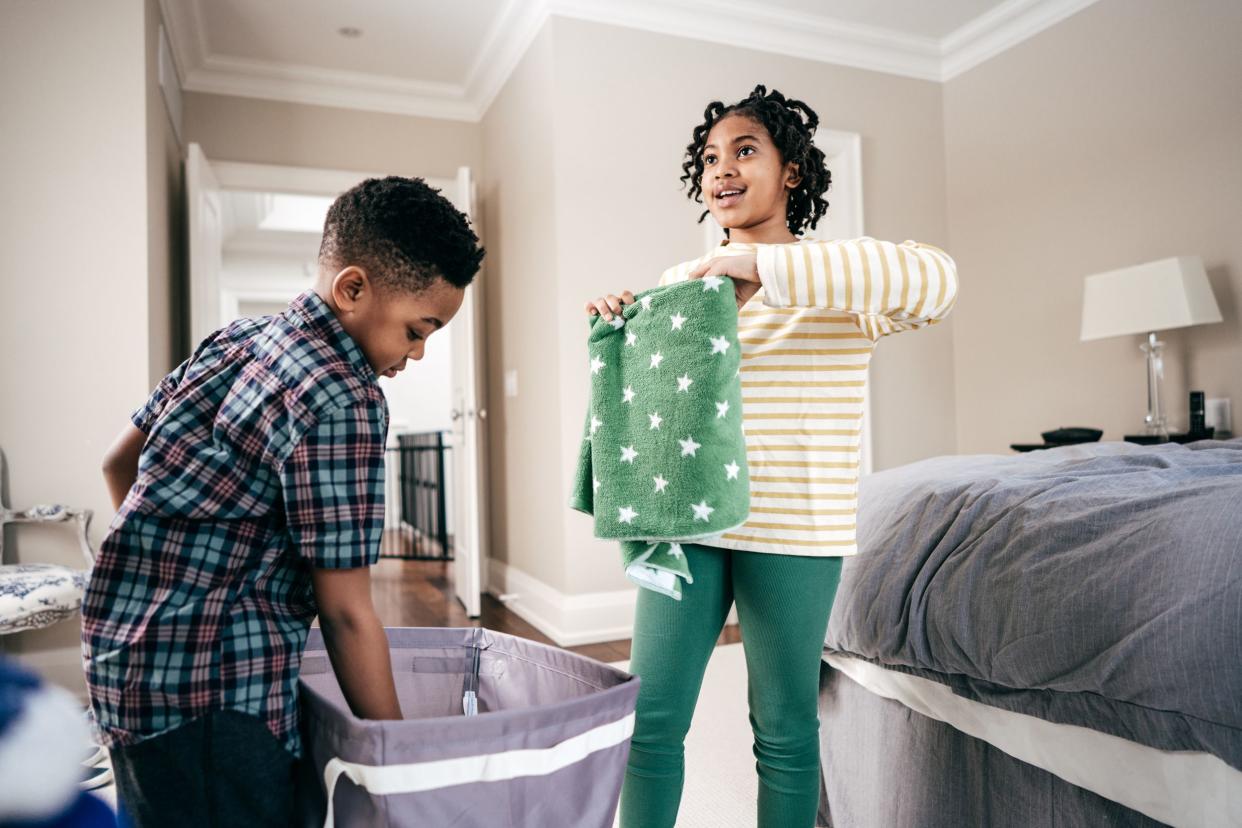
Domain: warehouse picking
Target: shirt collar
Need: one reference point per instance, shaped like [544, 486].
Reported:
[320, 320]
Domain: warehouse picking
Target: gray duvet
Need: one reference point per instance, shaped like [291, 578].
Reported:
[1094, 585]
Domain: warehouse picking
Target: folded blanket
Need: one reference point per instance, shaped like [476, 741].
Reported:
[663, 457]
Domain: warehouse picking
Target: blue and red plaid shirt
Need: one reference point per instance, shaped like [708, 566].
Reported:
[264, 458]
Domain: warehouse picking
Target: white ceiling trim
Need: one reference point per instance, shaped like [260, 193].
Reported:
[1003, 27]
[741, 23]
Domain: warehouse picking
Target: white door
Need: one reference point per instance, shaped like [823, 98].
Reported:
[206, 226]
[468, 520]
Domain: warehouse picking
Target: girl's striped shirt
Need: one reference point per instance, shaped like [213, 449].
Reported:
[806, 338]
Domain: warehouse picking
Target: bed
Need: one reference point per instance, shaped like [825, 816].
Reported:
[1051, 639]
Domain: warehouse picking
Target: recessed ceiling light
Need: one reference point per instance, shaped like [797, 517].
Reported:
[349, 31]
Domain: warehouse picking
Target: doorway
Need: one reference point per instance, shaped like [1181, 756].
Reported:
[254, 233]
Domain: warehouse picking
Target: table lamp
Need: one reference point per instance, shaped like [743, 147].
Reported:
[1157, 296]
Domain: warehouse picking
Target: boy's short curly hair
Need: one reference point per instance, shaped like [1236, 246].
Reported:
[402, 232]
[792, 126]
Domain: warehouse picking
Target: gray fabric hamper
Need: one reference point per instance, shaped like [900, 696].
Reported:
[547, 747]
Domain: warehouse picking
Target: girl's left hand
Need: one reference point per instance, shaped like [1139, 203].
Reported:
[742, 269]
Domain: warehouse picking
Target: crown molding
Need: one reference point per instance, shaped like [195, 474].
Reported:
[741, 23]
[1000, 29]
[752, 25]
[329, 87]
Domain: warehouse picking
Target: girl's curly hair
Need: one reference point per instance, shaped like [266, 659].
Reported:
[792, 126]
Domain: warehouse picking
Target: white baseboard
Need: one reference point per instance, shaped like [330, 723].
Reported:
[569, 620]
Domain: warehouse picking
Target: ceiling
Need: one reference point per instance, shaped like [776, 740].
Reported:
[449, 58]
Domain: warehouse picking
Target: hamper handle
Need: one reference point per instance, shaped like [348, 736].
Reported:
[416, 777]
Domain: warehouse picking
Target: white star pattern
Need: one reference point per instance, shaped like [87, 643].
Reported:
[626, 514]
[594, 484]
[712, 283]
[720, 344]
[674, 549]
[731, 470]
[660, 483]
[617, 323]
[628, 394]
[656, 419]
[684, 382]
[628, 454]
[597, 365]
[701, 510]
[678, 320]
[722, 408]
[656, 359]
[688, 446]
[595, 424]
[631, 338]
[645, 302]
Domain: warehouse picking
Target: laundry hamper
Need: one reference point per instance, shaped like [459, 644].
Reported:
[498, 731]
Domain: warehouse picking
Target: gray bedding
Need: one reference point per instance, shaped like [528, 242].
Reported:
[1094, 585]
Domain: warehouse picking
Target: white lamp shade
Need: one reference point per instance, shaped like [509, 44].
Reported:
[1170, 293]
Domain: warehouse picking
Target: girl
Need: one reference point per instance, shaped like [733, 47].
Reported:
[810, 313]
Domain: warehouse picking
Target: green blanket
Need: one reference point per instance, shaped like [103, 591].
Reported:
[663, 457]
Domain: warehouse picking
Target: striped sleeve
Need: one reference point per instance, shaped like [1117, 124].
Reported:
[677, 273]
[892, 287]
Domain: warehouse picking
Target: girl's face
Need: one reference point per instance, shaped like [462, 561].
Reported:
[746, 183]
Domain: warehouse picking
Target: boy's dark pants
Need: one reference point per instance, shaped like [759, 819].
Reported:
[223, 769]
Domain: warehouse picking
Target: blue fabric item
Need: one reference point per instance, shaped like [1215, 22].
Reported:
[1098, 586]
[86, 811]
[16, 684]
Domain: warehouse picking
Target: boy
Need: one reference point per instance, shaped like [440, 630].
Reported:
[249, 491]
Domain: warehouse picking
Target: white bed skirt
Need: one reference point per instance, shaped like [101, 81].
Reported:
[1181, 788]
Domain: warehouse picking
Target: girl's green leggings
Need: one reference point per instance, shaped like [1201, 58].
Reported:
[783, 603]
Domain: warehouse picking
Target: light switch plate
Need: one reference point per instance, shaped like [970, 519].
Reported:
[511, 382]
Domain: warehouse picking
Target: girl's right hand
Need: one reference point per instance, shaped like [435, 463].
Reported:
[606, 306]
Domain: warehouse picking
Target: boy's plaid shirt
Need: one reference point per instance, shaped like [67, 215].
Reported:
[264, 458]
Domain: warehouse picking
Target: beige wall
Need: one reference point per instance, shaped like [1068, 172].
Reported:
[166, 231]
[83, 269]
[582, 154]
[297, 135]
[1109, 140]
[520, 282]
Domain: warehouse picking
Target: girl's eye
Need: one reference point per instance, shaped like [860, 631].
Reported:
[709, 159]
[744, 149]
[412, 334]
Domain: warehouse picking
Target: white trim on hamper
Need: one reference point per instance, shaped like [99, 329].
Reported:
[416, 777]
[1180, 788]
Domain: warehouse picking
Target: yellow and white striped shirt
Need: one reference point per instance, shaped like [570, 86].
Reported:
[807, 337]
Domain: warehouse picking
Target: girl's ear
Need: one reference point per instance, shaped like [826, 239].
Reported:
[792, 175]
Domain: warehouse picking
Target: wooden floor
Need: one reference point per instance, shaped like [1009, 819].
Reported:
[420, 594]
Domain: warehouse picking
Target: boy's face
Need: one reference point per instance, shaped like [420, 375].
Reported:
[745, 182]
[391, 325]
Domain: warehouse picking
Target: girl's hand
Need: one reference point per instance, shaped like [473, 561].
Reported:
[743, 270]
[606, 306]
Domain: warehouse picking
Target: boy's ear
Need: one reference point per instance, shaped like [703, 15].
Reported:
[349, 286]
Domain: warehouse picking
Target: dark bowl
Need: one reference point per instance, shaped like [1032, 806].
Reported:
[1068, 435]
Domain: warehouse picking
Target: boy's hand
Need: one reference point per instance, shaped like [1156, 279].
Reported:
[356, 642]
[606, 306]
[742, 269]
